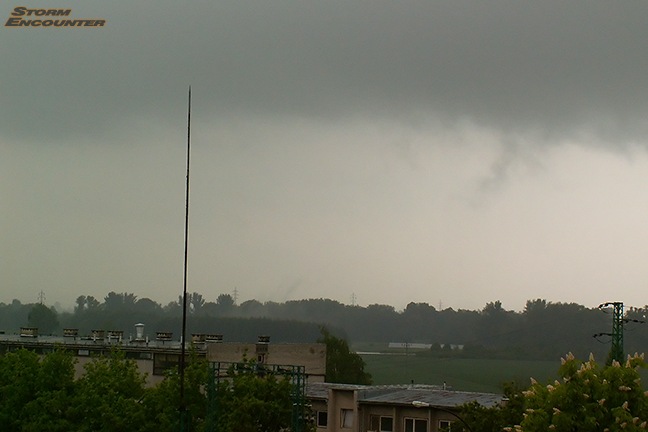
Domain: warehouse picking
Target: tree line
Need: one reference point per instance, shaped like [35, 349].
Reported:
[543, 330]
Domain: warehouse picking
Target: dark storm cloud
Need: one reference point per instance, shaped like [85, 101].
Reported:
[402, 150]
[551, 67]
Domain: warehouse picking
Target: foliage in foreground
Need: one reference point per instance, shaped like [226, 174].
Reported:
[587, 398]
[250, 400]
[41, 394]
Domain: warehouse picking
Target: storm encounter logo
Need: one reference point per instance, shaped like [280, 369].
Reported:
[23, 16]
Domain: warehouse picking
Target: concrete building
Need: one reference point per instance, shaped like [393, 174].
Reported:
[154, 356]
[311, 356]
[389, 408]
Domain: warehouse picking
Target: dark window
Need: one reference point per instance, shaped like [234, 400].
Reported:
[164, 362]
[379, 423]
[322, 419]
[415, 425]
[444, 425]
[386, 424]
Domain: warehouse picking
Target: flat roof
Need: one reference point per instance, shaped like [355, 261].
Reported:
[407, 394]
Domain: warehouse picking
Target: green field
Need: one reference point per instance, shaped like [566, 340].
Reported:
[460, 374]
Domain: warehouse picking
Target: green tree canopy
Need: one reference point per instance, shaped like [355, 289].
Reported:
[589, 398]
[43, 317]
[586, 398]
[250, 400]
[35, 393]
[108, 396]
[342, 365]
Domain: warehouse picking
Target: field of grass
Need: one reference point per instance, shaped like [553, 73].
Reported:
[460, 374]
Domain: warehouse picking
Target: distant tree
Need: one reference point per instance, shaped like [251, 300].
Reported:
[195, 302]
[92, 303]
[173, 308]
[80, 305]
[225, 301]
[250, 308]
[113, 302]
[537, 306]
[493, 308]
[119, 302]
[46, 319]
[210, 309]
[147, 306]
[129, 300]
[342, 365]
[495, 324]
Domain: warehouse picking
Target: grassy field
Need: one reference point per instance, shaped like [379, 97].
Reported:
[460, 374]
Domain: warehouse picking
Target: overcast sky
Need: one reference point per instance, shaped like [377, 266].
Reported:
[454, 152]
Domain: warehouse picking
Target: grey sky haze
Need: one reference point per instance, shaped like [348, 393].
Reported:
[454, 151]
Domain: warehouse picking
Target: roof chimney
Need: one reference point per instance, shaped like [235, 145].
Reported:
[139, 332]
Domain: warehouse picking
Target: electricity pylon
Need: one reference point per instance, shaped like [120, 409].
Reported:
[616, 352]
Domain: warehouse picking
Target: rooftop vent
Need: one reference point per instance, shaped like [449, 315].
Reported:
[264, 340]
[214, 338]
[164, 336]
[139, 332]
[98, 334]
[70, 332]
[262, 344]
[198, 337]
[29, 332]
[115, 335]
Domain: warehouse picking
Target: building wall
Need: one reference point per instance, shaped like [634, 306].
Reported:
[311, 356]
[339, 402]
[368, 416]
[399, 415]
[144, 366]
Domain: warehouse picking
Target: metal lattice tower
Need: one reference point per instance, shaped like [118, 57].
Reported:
[616, 352]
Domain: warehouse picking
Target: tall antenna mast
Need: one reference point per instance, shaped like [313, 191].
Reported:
[183, 406]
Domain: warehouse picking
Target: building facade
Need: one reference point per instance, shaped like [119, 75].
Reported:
[390, 408]
[154, 356]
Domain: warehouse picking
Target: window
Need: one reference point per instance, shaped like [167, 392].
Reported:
[415, 425]
[381, 423]
[322, 419]
[346, 418]
[386, 424]
[444, 425]
[163, 362]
